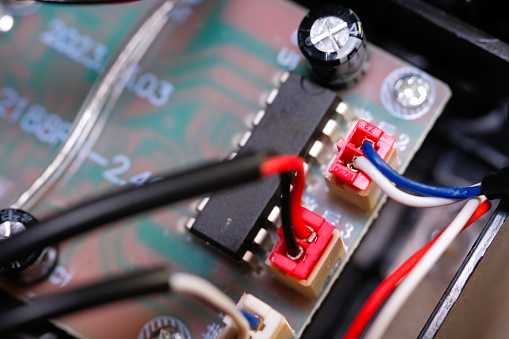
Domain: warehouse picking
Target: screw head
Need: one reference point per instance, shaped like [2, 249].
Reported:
[411, 91]
[164, 327]
[408, 93]
[167, 333]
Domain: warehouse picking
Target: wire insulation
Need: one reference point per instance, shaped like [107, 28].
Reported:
[254, 321]
[286, 216]
[415, 186]
[132, 285]
[286, 163]
[495, 185]
[131, 201]
[393, 192]
[383, 290]
[407, 286]
[192, 285]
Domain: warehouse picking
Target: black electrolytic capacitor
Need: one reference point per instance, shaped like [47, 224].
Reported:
[331, 38]
[32, 267]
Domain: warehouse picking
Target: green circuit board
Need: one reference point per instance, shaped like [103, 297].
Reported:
[190, 99]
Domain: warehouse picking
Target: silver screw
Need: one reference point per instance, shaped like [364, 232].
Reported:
[329, 34]
[411, 91]
[166, 333]
[164, 327]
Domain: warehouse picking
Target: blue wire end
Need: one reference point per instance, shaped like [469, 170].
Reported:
[415, 186]
[253, 320]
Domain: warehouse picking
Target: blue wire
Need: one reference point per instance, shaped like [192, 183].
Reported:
[253, 321]
[414, 186]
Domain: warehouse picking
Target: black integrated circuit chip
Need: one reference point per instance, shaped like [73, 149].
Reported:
[232, 218]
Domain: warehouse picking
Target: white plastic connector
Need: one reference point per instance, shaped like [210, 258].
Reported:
[273, 324]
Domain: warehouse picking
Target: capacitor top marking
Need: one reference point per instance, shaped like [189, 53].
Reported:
[332, 40]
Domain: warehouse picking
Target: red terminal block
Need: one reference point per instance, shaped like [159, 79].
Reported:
[308, 272]
[343, 179]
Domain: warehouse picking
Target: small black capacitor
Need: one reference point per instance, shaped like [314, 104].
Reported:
[34, 266]
[332, 40]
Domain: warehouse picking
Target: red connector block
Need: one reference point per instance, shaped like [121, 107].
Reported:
[351, 147]
[308, 272]
[302, 267]
[343, 179]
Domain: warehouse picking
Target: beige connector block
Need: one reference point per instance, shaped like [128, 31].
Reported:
[312, 286]
[273, 324]
[365, 199]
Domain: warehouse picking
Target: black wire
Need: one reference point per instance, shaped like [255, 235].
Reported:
[134, 284]
[495, 185]
[131, 201]
[286, 216]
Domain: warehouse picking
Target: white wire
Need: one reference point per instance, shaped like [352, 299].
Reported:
[407, 286]
[363, 164]
[192, 285]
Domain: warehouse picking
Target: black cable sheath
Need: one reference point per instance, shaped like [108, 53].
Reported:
[131, 201]
[132, 285]
[495, 185]
[286, 216]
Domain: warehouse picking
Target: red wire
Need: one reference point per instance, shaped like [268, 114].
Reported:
[387, 286]
[285, 163]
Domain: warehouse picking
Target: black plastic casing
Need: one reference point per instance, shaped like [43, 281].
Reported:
[232, 218]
